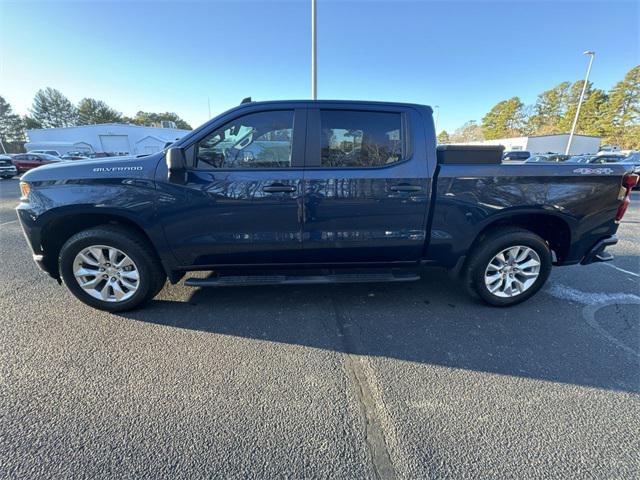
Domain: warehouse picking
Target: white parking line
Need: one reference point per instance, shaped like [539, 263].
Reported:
[622, 270]
[7, 223]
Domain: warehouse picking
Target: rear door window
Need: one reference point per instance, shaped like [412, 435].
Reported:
[356, 139]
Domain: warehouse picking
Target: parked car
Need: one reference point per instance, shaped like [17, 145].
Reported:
[358, 192]
[608, 158]
[75, 156]
[516, 156]
[631, 161]
[548, 158]
[27, 161]
[7, 168]
[585, 158]
[55, 153]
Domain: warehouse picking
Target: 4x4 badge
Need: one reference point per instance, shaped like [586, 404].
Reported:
[593, 171]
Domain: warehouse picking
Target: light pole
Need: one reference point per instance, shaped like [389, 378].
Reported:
[437, 109]
[314, 52]
[584, 88]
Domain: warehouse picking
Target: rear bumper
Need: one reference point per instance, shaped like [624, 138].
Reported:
[597, 252]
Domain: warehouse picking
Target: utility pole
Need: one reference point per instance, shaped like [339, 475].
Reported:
[209, 105]
[314, 51]
[584, 88]
[437, 109]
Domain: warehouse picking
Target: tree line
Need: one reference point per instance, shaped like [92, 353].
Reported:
[612, 115]
[51, 109]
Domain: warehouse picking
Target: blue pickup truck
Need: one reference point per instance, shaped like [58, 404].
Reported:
[316, 192]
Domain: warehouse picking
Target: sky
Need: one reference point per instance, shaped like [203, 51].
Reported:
[180, 56]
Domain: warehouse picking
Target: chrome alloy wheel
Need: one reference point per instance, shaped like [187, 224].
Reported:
[512, 271]
[106, 273]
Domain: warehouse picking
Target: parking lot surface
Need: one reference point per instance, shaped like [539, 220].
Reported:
[407, 380]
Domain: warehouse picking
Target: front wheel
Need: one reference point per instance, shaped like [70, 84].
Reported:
[110, 268]
[509, 266]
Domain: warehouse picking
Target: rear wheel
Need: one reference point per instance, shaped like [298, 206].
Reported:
[509, 266]
[110, 268]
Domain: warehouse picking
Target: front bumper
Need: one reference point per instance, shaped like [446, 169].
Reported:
[8, 171]
[597, 253]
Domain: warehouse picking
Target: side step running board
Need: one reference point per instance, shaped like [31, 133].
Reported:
[248, 280]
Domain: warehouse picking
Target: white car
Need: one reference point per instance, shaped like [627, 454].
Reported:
[7, 168]
[55, 153]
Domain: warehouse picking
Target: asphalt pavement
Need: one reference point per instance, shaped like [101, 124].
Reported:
[407, 380]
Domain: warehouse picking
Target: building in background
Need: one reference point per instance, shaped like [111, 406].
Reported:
[547, 143]
[109, 138]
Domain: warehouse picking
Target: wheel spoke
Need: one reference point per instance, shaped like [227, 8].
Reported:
[129, 284]
[97, 254]
[104, 291]
[130, 274]
[117, 291]
[529, 264]
[91, 284]
[519, 285]
[523, 254]
[113, 254]
[83, 272]
[528, 274]
[497, 286]
[125, 262]
[86, 259]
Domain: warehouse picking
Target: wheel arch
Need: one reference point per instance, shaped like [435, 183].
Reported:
[552, 228]
[62, 227]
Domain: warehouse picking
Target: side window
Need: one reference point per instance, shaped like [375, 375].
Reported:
[256, 140]
[359, 138]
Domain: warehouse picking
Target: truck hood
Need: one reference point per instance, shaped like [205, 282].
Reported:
[114, 167]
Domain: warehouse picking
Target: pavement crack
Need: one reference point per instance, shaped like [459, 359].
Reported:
[355, 369]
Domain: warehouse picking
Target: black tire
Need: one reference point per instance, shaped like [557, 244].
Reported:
[151, 273]
[7, 177]
[492, 244]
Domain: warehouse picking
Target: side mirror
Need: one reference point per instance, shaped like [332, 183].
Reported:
[176, 165]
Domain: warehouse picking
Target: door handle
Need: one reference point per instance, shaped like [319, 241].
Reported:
[279, 188]
[405, 188]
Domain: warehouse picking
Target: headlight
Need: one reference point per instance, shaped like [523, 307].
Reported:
[25, 188]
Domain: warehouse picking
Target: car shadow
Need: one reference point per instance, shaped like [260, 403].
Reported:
[432, 321]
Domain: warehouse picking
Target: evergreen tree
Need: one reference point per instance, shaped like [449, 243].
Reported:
[150, 118]
[52, 109]
[549, 110]
[469, 132]
[505, 119]
[622, 113]
[91, 111]
[11, 126]
[443, 137]
[592, 114]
